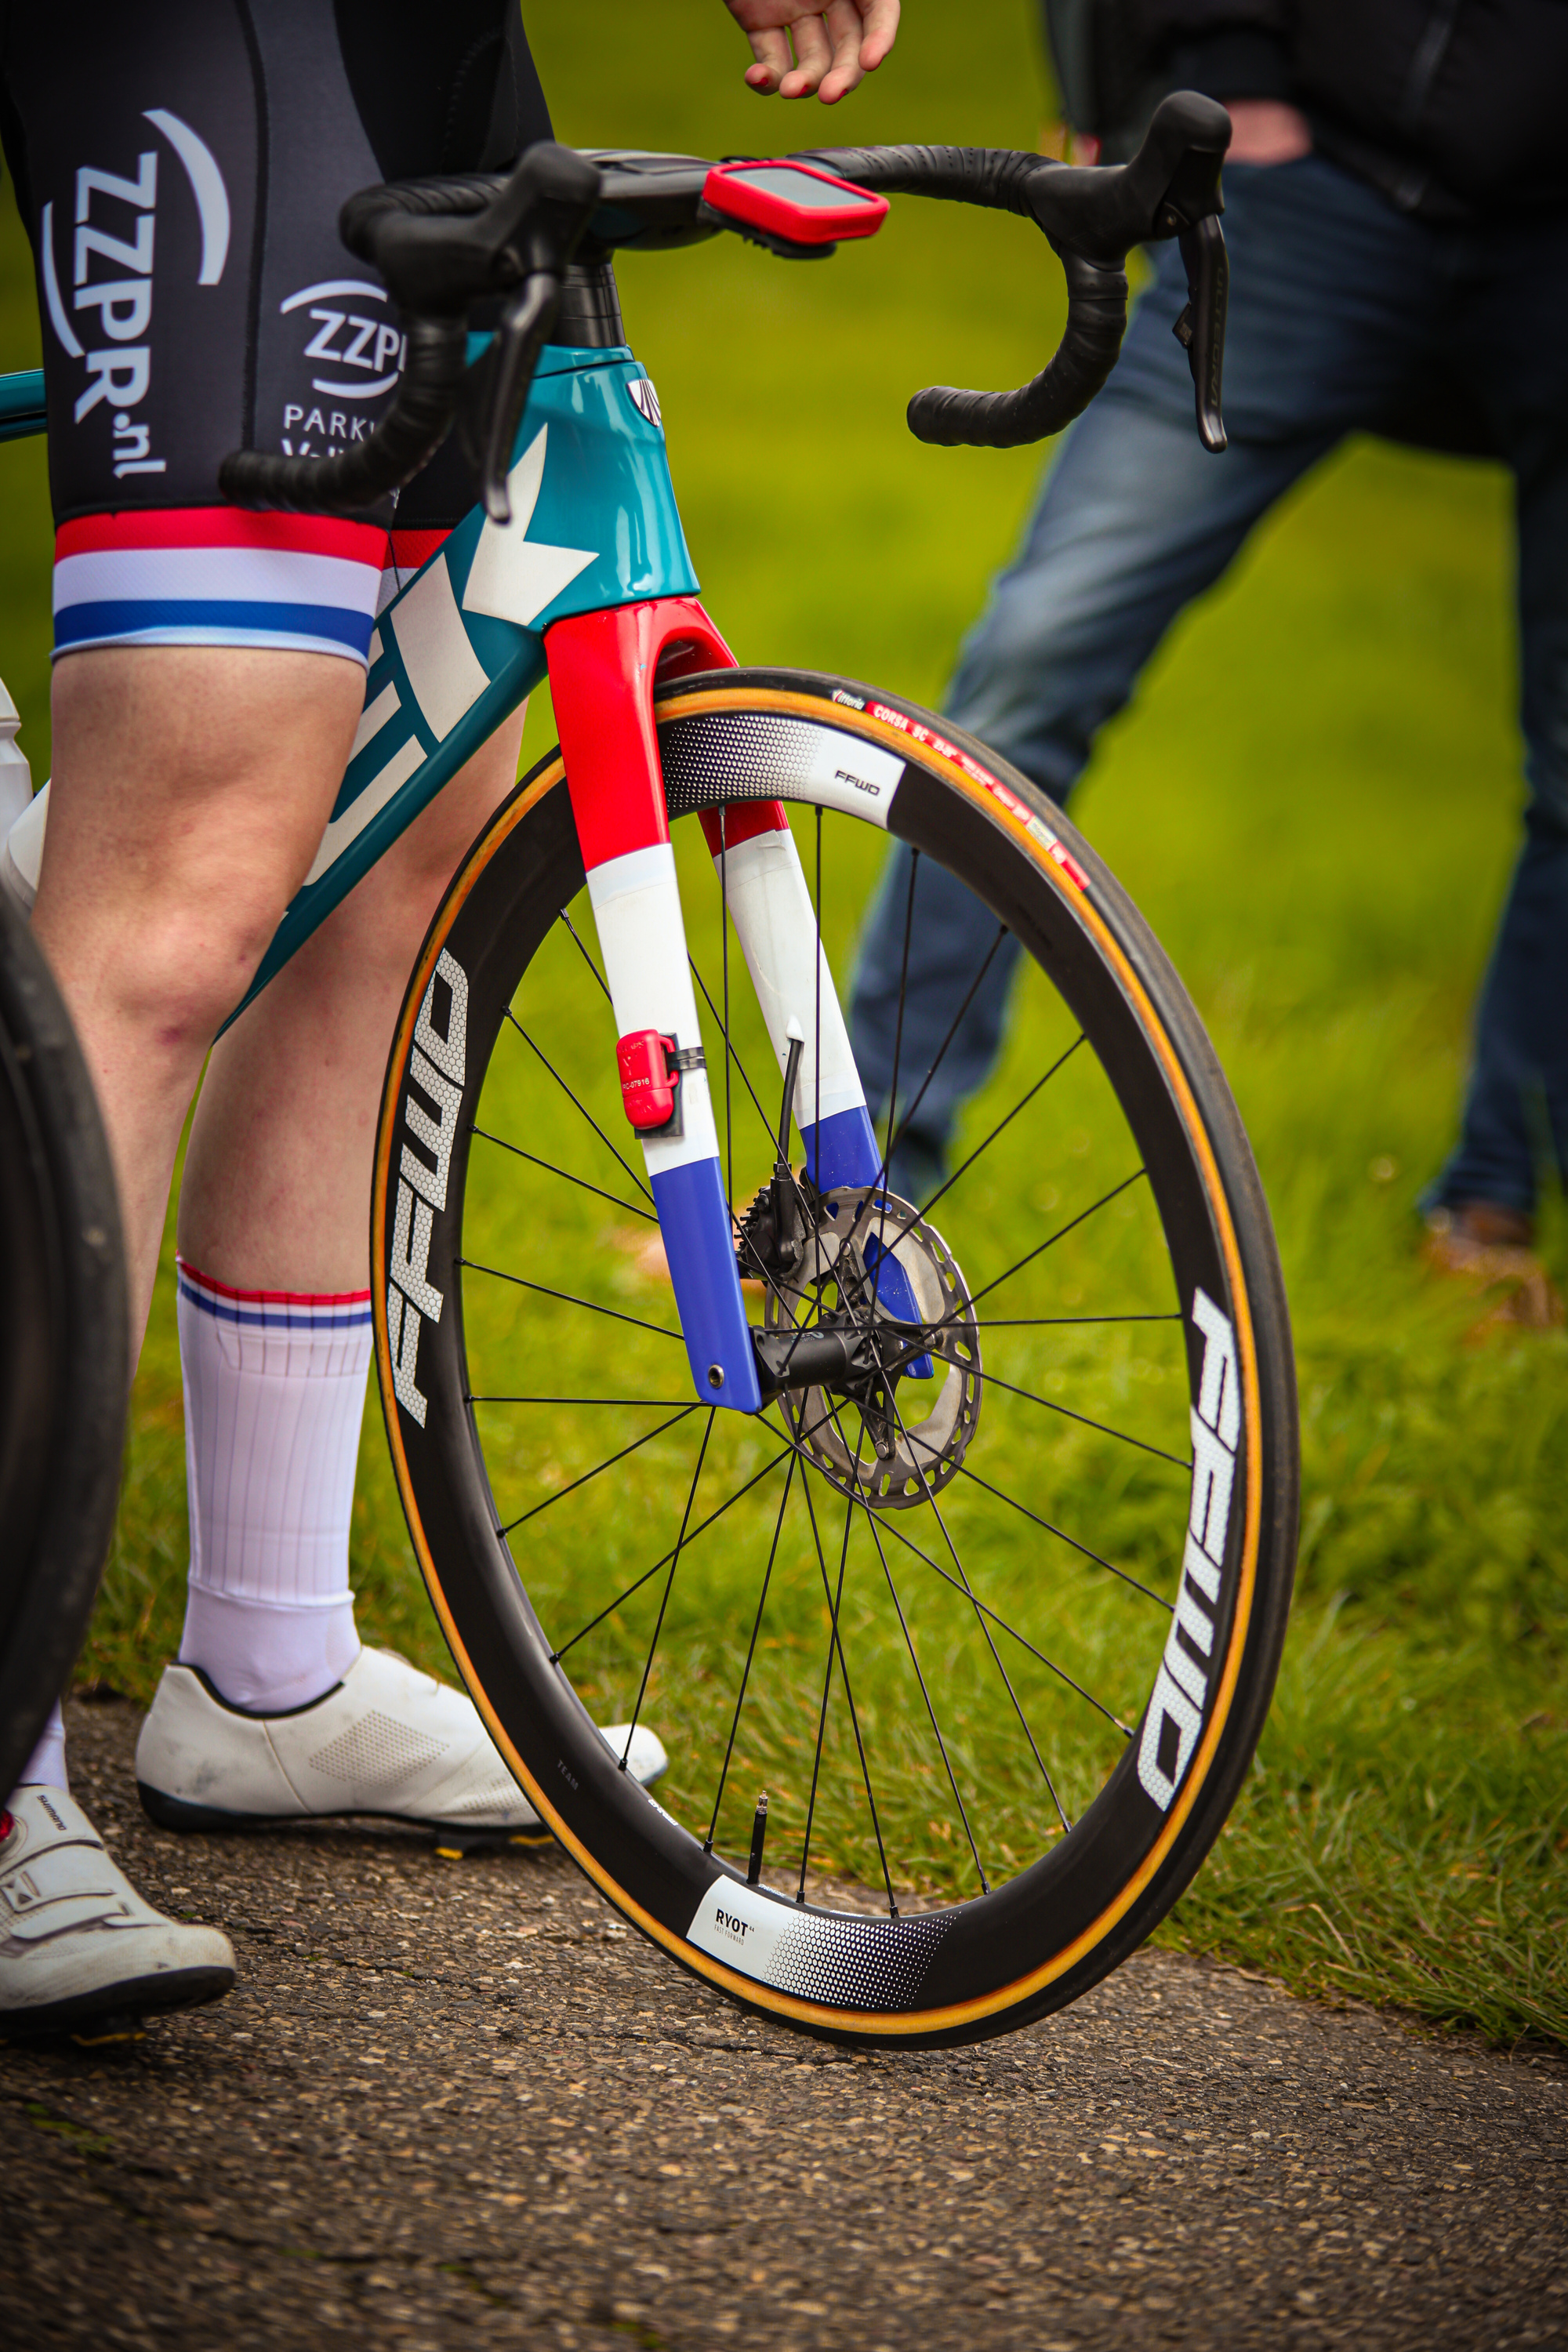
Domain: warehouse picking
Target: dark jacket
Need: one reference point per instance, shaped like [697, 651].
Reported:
[1450, 107]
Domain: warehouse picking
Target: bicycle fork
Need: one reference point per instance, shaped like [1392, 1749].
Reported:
[602, 672]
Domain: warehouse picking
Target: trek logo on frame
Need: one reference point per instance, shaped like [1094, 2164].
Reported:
[436, 1069]
[1176, 1711]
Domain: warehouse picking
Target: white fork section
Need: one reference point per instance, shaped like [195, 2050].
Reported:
[642, 937]
[776, 926]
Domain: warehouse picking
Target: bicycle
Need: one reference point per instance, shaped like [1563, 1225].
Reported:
[884, 1714]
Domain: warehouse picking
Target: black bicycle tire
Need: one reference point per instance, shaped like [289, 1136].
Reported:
[65, 1346]
[999, 832]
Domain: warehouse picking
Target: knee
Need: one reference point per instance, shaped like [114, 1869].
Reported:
[164, 946]
[180, 970]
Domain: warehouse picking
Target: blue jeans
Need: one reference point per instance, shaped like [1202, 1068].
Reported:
[1342, 312]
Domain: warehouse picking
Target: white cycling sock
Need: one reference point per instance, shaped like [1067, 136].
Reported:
[274, 1398]
[46, 1766]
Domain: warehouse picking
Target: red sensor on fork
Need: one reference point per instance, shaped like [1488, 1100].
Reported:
[650, 1066]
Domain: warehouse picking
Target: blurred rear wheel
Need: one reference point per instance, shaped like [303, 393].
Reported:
[64, 1345]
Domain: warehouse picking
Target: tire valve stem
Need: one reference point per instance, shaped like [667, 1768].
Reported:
[759, 1838]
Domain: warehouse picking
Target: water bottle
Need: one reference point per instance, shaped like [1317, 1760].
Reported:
[22, 817]
[15, 776]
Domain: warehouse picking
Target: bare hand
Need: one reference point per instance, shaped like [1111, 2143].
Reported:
[835, 47]
[1266, 131]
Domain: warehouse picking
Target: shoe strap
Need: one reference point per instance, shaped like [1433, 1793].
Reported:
[65, 1886]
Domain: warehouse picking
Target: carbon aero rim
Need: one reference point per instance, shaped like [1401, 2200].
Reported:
[1000, 1723]
[64, 1345]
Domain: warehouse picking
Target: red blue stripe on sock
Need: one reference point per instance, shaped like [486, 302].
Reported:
[274, 1310]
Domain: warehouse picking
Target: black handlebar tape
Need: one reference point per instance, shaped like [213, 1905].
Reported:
[1093, 218]
[439, 249]
[1102, 212]
[1097, 320]
[407, 437]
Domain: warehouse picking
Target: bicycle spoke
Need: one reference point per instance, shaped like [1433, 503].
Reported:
[835, 1645]
[1057, 1322]
[746, 1670]
[724, 1029]
[979, 1620]
[1023, 1640]
[588, 1475]
[571, 1098]
[951, 1034]
[670, 1583]
[889, 1526]
[583, 952]
[835, 1601]
[930, 1711]
[661, 1330]
[1060, 1234]
[653, 1404]
[1022, 1103]
[635, 1586]
[899, 1023]
[649, 1215]
[964, 1471]
[993, 1379]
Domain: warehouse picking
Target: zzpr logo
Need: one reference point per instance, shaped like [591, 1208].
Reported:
[437, 1070]
[1175, 1713]
[121, 374]
[365, 356]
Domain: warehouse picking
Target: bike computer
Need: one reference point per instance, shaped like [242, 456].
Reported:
[793, 205]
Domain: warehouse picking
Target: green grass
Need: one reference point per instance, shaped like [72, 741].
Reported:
[1315, 801]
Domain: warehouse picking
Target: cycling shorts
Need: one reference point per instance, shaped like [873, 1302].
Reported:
[180, 165]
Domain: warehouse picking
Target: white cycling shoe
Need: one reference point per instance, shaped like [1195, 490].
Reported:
[81, 1951]
[387, 1740]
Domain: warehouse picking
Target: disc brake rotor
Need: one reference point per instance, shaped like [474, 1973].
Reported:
[894, 1432]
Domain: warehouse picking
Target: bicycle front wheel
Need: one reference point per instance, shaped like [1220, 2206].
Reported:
[997, 1638]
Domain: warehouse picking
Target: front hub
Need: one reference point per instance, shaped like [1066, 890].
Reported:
[885, 1406]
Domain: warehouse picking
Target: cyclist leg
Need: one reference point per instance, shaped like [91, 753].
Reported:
[190, 788]
[1328, 319]
[273, 1220]
[1516, 332]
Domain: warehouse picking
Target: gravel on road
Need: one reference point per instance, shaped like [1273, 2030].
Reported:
[461, 2105]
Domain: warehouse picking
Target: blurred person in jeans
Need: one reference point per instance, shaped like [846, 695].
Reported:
[1397, 220]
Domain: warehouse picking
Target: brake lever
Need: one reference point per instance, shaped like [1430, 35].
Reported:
[496, 391]
[1200, 330]
[542, 247]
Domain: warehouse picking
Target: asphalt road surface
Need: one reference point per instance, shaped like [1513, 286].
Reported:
[461, 2105]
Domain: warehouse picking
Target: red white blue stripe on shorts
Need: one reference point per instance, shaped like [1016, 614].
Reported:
[274, 1310]
[219, 576]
